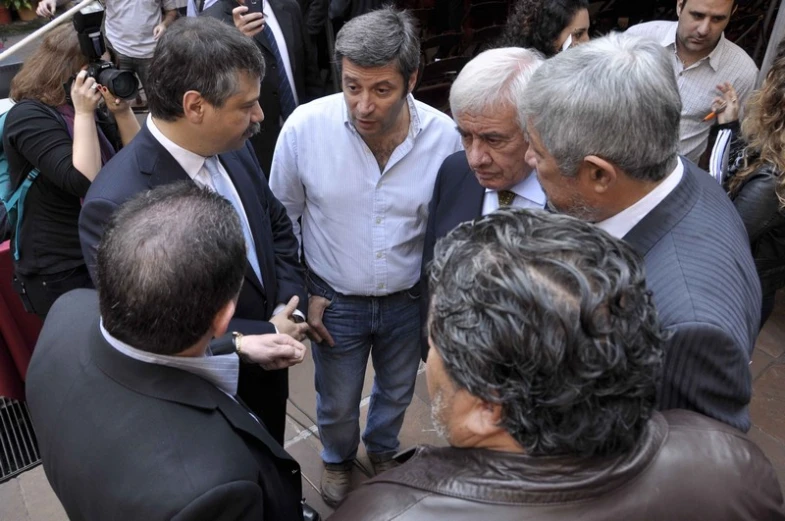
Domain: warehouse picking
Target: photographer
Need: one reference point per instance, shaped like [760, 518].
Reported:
[68, 142]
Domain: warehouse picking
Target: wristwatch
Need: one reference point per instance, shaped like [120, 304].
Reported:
[297, 319]
[226, 344]
[237, 341]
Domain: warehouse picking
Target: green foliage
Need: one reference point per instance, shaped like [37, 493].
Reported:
[17, 4]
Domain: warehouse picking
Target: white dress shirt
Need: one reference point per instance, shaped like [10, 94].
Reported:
[272, 21]
[220, 370]
[698, 82]
[362, 230]
[620, 224]
[528, 194]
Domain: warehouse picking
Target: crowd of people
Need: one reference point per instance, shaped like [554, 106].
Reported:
[585, 297]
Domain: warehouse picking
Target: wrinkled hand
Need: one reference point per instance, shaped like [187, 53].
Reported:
[115, 105]
[249, 24]
[729, 100]
[318, 333]
[284, 323]
[46, 8]
[158, 30]
[272, 351]
[85, 94]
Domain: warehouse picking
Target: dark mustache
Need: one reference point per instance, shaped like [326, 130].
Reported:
[253, 129]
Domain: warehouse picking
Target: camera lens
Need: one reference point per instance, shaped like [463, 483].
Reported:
[121, 84]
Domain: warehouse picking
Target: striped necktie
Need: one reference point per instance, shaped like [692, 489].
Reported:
[285, 94]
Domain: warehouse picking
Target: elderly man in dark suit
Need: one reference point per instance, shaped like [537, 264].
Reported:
[292, 75]
[603, 123]
[203, 99]
[124, 378]
[491, 171]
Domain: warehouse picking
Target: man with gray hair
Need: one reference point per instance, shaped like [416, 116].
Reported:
[545, 356]
[603, 125]
[491, 172]
[358, 167]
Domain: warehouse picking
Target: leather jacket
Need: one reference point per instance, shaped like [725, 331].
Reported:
[764, 219]
[685, 467]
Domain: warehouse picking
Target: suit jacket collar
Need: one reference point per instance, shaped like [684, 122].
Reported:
[666, 215]
[174, 385]
[475, 192]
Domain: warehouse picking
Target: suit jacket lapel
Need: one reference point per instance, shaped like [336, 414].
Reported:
[667, 214]
[249, 195]
[474, 194]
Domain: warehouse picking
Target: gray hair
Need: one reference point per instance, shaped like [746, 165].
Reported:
[615, 97]
[494, 78]
[378, 38]
[201, 54]
[549, 317]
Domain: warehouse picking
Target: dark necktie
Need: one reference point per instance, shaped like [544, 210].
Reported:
[506, 197]
[286, 96]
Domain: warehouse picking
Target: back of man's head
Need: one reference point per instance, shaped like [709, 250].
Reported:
[493, 79]
[380, 38]
[614, 97]
[199, 54]
[548, 318]
[169, 261]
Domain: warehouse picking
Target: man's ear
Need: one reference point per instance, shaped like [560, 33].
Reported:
[598, 173]
[484, 418]
[412, 82]
[221, 320]
[194, 106]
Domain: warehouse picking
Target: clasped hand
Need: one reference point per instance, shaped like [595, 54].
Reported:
[276, 351]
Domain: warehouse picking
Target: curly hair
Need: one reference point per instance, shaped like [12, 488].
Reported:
[535, 24]
[763, 128]
[549, 317]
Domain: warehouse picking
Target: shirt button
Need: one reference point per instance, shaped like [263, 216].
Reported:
[380, 286]
[378, 220]
[379, 255]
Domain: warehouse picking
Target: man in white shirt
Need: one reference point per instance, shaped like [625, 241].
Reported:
[597, 161]
[359, 168]
[491, 172]
[702, 59]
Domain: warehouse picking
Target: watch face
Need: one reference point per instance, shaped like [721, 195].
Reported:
[297, 319]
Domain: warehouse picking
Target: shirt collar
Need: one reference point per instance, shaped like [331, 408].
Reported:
[220, 370]
[620, 224]
[529, 188]
[191, 162]
[415, 126]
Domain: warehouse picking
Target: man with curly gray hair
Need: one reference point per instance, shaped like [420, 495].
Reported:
[545, 355]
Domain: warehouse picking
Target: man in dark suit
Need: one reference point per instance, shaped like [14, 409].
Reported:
[603, 123]
[124, 377]
[203, 100]
[491, 172]
[292, 75]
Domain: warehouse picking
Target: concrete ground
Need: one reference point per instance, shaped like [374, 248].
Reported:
[29, 497]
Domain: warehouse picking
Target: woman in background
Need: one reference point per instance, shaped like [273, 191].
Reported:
[756, 174]
[67, 141]
[548, 26]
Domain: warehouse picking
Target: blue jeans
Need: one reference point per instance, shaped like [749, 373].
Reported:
[386, 328]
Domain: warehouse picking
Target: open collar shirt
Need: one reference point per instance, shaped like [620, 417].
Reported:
[362, 229]
[698, 82]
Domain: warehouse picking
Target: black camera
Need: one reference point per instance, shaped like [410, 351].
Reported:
[87, 22]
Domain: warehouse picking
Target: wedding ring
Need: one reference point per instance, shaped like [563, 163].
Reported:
[733, 99]
[93, 86]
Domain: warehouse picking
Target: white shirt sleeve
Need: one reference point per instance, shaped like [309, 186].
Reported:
[285, 181]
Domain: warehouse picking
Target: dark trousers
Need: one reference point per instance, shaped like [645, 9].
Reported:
[767, 307]
[265, 393]
[39, 292]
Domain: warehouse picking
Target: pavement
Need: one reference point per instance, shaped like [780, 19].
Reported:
[30, 498]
